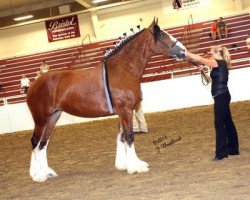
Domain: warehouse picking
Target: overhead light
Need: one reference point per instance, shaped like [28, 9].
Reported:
[98, 1]
[23, 17]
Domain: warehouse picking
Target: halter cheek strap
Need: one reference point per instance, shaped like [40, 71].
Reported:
[174, 44]
[169, 47]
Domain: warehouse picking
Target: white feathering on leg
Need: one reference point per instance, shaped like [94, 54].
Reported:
[134, 164]
[50, 173]
[34, 167]
[39, 169]
[121, 157]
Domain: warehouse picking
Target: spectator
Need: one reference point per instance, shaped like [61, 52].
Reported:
[214, 29]
[44, 67]
[25, 84]
[222, 28]
[139, 122]
[248, 43]
[38, 74]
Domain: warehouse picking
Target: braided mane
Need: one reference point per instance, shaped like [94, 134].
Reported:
[121, 44]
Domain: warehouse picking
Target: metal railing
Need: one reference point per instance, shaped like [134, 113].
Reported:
[77, 51]
[86, 36]
[6, 99]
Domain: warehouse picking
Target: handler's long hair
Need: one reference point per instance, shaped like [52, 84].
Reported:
[224, 53]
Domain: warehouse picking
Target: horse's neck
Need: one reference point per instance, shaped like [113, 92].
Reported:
[134, 57]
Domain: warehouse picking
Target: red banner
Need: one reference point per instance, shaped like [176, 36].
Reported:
[62, 28]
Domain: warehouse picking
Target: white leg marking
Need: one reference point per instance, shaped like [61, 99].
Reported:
[39, 169]
[34, 165]
[121, 157]
[134, 164]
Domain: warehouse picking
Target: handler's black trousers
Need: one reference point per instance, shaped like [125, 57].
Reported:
[226, 134]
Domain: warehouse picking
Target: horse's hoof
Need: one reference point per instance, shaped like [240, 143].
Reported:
[137, 167]
[39, 177]
[51, 173]
[42, 176]
[121, 166]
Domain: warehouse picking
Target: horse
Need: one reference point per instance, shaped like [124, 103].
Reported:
[84, 93]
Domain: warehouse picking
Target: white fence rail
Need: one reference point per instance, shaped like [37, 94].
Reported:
[162, 95]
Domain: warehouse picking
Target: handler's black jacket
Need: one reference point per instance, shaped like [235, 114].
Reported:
[219, 76]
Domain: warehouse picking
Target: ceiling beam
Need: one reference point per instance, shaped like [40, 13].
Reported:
[78, 12]
[84, 3]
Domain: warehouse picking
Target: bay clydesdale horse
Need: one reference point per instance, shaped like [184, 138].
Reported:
[82, 93]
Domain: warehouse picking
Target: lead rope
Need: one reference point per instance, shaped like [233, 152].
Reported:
[204, 79]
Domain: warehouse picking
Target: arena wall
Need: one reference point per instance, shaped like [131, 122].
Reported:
[112, 22]
[163, 95]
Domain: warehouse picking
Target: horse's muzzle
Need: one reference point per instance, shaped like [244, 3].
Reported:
[178, 55]
[178, 51]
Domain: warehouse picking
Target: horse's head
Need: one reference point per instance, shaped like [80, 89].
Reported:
[166, 44]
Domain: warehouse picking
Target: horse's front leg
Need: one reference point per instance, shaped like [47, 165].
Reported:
[126, 158]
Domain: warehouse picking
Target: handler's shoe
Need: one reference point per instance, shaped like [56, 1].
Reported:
[217, 158]
[234, 153]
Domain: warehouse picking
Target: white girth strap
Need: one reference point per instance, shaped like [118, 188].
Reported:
[107, 91]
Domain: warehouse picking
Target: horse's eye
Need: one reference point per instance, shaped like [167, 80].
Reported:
[161, 34]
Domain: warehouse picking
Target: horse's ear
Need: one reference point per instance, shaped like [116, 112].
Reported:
[154, 22]
[155, 29]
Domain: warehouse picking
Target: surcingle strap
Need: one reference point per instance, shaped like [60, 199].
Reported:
[106, 88]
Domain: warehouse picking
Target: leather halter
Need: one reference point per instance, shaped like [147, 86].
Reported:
[168, 46]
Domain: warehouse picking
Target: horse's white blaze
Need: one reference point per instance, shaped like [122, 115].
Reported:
[121, 157]
[134, 164]
[173, 39]
[39, 169]
[178, 43]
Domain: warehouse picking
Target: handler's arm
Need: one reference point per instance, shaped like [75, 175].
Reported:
[206, 61]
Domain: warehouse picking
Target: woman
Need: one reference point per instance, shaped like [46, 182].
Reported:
[226, 134]
[214, 29]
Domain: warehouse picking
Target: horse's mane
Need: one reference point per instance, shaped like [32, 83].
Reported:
[121, 44]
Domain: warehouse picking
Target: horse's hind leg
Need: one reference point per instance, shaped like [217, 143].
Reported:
[121, 155]
[125, 142]
[39, 169]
